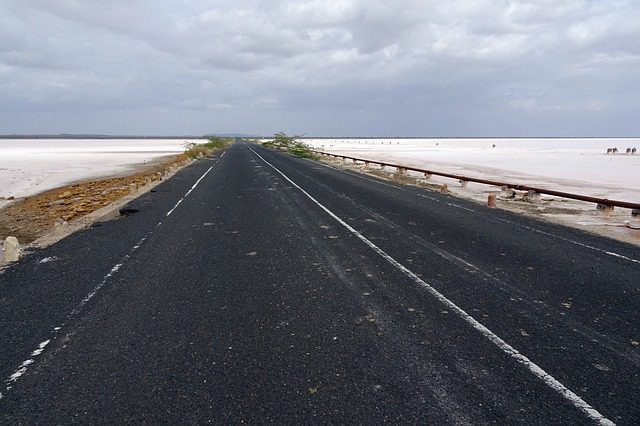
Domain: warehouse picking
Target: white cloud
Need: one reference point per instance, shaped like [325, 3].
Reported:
[320, 58]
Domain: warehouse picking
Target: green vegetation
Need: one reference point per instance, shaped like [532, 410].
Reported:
[197, 150]
[290, 144]
[218, 143]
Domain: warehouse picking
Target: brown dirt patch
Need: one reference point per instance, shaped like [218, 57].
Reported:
[30, 218]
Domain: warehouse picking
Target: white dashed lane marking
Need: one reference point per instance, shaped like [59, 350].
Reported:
[22, 368]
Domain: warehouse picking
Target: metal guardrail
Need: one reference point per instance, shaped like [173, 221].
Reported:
[600, 201]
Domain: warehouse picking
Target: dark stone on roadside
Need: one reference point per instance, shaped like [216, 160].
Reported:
[127, 211]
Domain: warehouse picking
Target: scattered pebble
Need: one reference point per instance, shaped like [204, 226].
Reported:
[601, 367]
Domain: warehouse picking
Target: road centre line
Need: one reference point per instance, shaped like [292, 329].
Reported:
[537, 371]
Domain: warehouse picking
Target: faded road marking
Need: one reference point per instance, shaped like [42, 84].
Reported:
[22, 368]
[545, 377]
[189, 191]
[610, 253]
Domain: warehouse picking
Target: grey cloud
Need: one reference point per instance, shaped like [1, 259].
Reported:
[261, 66]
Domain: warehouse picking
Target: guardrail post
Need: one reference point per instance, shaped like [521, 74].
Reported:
[491, 200]
[508, 192]
[533, 197]
[12, 251]
[605, 208]
[444, 188]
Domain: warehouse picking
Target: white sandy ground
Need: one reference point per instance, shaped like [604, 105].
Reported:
[582, 166]
[570, 165]
[30, 166]
[578, 166]
[107, 212]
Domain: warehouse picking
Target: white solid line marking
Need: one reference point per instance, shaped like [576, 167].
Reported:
[189, 191]
[545, 377]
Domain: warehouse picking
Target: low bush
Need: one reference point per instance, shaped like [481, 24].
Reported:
[197, 150]
[290, 144]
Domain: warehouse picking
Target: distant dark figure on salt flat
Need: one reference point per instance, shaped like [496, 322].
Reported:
[612, 150]
[633, 151]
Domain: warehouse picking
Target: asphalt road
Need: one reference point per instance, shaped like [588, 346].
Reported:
[257, 287]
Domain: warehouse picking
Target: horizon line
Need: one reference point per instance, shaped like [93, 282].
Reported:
[303, 136]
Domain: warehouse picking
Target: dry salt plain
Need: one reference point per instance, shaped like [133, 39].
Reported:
[581, 166]
[575, 165]
[30, 166]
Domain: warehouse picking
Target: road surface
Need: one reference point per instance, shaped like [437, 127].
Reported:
[257, 287]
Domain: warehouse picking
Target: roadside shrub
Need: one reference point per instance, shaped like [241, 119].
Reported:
[290, 144]
[218, 143]
[198, 150]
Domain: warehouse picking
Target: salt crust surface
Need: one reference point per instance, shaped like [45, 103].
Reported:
[30, 166]
[571, 165]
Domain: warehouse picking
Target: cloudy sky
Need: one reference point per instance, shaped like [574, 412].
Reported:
[321, 67]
